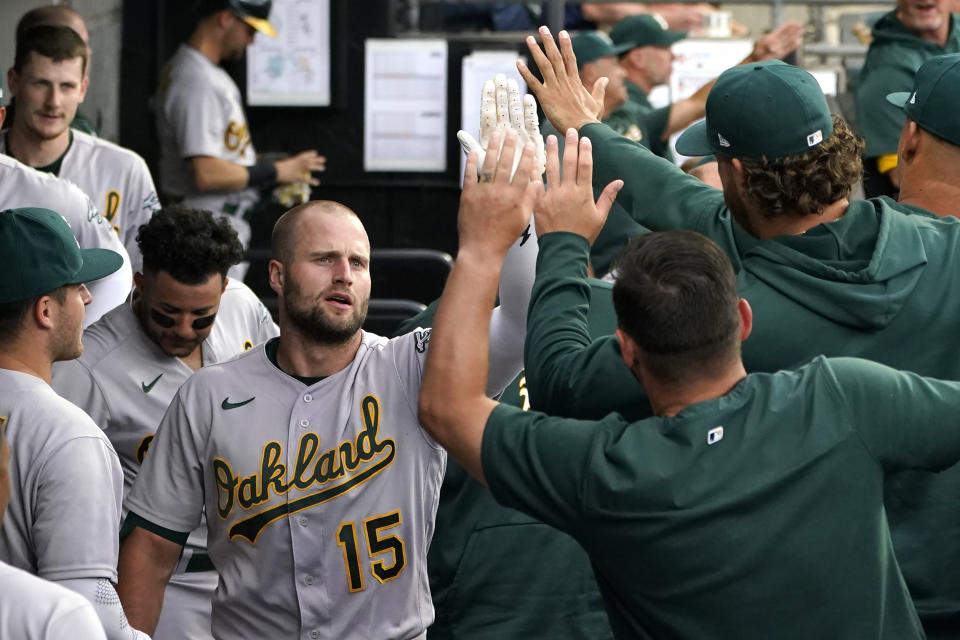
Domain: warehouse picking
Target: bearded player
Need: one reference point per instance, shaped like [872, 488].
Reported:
[187, 314]
[319, 485]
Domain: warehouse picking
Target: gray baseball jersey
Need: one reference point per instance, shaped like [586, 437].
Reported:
[116, 179]
[201, 114]
[125, 382]
[34, 609]
[320, 497]
[66, 485]
[21, 186]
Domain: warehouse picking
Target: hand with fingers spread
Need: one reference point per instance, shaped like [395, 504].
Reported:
[299, 167]
[568, 202]
[565, 101]
[780, 42]
[501, 108]
[495, 206]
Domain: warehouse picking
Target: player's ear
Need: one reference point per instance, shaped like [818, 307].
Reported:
[3, 114]
[83, 86]
[224, 287]
[746, 319]
[628, 348]
[275, 273]
[43, 312]
[12, 80]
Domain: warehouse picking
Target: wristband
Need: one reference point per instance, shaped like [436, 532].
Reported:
[262, 174]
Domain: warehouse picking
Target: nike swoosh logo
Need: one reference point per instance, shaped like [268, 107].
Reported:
[147, 388]
[226, 405]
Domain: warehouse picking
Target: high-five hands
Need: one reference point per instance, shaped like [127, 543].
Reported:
[495, 206]
[496, 201]
[502, 109]
[567, 204]
[565, 101]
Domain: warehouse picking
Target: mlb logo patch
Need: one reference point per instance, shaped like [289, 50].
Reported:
[715, 435]
[723, 141]
[913, 98]
[603, 36]
[815, 138]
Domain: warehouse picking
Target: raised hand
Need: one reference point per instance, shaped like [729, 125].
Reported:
[568, 202]
[496, 202]
[501, 108]
[780, 42]
[565, 101]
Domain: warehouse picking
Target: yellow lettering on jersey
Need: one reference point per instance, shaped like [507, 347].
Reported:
[3, 422]
[143, 447]
[336, 470]
[112, 205]
[247, 345]
[236, 137]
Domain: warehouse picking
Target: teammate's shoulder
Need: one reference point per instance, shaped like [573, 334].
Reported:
[99, 148]
[115, 330]
[21, 176]
[27, 596]
[417, 339]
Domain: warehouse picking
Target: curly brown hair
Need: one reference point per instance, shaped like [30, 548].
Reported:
[806, 183]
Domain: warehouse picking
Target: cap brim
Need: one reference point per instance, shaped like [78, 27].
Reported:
[261, 25]
[97, 263]
[898, 98]
[693, 141]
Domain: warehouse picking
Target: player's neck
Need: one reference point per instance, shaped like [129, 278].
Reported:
[31, 362]
[208, 46]
[34, 151]
[195, 359]
[300, 356]
[668, 400]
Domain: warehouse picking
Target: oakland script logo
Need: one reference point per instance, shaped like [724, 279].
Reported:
[333, 472]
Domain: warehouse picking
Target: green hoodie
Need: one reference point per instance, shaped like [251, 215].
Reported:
[498, 573]
[875, 284]
[892, 60]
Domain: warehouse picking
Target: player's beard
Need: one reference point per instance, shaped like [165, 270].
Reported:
[312, 321]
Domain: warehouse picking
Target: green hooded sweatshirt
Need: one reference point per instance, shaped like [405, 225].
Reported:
[877, 284]
[498, 573]
[892, 60]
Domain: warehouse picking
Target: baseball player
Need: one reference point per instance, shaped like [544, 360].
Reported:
[21, 186]
[841, 277]
[186, 315]
[67, 17]
[49, 81]
[727, 513]
[31, 608]
[64, 514]
[206, 156]
[319, 486]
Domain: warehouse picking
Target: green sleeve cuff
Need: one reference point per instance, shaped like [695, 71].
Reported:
[133, 520]
[563, 253]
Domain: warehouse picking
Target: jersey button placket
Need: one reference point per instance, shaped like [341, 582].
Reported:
[304, 423]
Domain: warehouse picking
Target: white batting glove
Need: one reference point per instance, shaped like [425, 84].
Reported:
[502, 108]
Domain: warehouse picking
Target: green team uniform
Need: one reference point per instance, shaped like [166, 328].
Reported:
[497, 573]
[755, 515]
[874, 284]
[619, 226]
[892, 61]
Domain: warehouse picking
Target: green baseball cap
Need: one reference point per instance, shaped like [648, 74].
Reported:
[770, 109]
[42, 254]
[935, 97]
[644, 30]
[592, 45]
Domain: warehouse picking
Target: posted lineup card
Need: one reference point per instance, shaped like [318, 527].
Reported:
[405, 105]
[292, 69]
